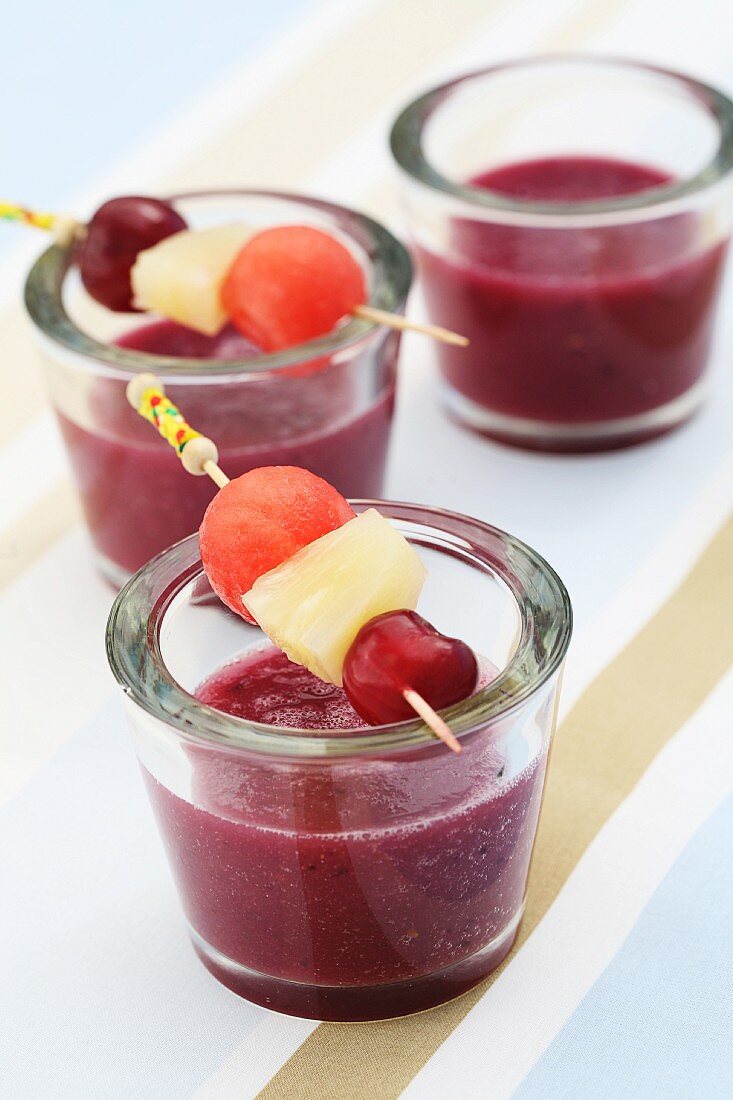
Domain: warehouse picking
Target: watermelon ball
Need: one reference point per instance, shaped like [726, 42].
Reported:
[261, 519]
[290, 284]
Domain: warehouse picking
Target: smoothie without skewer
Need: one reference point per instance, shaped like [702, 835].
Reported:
[574, 325]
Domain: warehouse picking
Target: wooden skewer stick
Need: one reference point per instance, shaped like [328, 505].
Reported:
[215, 472]
[199, 456]
[432, 719]
[403, 324]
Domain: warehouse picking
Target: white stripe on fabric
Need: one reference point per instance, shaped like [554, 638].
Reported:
[54, 674]
[597, 643]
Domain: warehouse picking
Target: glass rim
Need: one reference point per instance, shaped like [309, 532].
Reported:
[133, 646]
[406, 143]
[390, 264]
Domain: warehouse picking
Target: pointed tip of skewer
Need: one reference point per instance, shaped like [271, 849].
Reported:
[453, 338]
[404, 324]
[432, 719]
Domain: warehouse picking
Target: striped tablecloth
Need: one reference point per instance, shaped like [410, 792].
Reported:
[620, 985]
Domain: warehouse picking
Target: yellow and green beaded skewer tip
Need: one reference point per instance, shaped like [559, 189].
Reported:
[198, 453]
[64, 228]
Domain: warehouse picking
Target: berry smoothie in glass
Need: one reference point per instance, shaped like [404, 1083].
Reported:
[583, 257]
[329, 869]
[326, 405]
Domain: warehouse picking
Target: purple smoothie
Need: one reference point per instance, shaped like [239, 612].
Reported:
[574, 326]
[320, 415]
[361, 888]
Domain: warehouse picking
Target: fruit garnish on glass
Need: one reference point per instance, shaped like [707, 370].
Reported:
[335, 591]
[280, 286]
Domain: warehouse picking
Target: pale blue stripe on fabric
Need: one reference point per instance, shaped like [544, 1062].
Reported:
[84, 82]
[658, 1024]
[101, 994]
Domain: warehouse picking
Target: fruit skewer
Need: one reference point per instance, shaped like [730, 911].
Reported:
[199, 456]
[125, 227]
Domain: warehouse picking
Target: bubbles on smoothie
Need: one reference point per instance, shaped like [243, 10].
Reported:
[264, 686]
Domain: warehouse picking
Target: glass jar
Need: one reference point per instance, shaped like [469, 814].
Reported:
[359, 874]
[326, 405]
[571, 216]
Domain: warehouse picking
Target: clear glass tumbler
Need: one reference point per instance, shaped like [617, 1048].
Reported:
[571, 216]
[360, 874]
[326, 405]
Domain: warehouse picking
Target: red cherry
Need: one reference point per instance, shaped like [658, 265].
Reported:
[402, 650]
[119, 230]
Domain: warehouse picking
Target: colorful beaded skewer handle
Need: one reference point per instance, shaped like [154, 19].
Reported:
[64, 228]
[197, 453]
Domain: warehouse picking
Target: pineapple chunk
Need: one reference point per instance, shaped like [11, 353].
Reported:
[181, 276]
[314, 604]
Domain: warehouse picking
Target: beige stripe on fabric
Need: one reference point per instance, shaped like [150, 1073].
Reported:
[583, 23]
[22, 391]
[315, 111]
[27, 539]
[602, 749]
